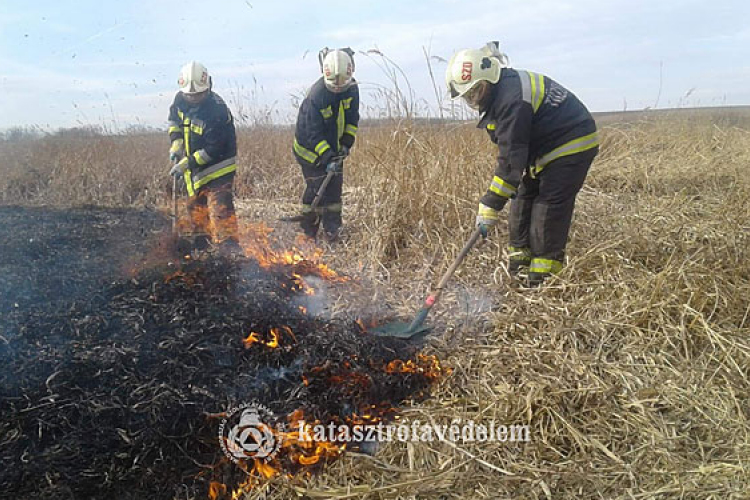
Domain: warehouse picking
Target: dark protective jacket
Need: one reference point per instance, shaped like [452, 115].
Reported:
[210, 139]
[326, 121]
[533, 120]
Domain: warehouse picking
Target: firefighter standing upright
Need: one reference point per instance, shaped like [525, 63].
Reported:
[204, 147]
[325, 132]
[547, 141]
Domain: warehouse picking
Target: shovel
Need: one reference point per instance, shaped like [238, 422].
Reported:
[416, 327]
[316, 200]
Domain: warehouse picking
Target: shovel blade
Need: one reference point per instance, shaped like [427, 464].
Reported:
[401, 330]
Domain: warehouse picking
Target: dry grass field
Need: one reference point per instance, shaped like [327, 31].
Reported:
[631, 367]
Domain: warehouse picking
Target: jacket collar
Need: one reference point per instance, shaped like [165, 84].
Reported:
[487, 114]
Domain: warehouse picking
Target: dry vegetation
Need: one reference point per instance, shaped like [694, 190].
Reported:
[631, 368]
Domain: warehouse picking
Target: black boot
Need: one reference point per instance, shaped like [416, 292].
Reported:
[310, 223]
[515, 266]
[537, 279]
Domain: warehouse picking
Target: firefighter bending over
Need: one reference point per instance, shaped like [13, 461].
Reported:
[547, 141]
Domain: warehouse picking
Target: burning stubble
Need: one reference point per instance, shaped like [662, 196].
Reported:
[119, 392]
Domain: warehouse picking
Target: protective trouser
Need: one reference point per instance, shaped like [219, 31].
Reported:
[329, 209]
[212, 214]
[541, 213]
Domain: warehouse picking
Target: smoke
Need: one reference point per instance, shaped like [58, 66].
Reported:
[317, 304]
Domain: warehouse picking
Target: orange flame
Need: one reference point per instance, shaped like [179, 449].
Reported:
[276, 335]
[305, 258]
[428, 366]
[216, 490]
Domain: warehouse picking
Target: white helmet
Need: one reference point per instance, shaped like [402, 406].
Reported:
[470, 66]
[338, 68]
[194, 78]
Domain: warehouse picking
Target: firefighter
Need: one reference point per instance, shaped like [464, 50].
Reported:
[325, 133]
[547, 141]
[204, 148]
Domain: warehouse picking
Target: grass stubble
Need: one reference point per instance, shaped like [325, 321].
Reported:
[630, 368]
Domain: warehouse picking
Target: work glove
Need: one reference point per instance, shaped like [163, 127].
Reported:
[486, 218]
[335, 166]
[343, 152]
[177, 151]
[180, 167]
[326, 158]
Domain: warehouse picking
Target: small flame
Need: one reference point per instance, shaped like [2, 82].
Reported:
[216, 490]
[276, 335]
[274, 342]
[264, 470]
[428, 366]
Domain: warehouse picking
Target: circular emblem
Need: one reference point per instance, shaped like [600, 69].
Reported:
[246, 433]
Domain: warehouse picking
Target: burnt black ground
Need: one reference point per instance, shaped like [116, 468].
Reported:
[51, 255]
[107, 378]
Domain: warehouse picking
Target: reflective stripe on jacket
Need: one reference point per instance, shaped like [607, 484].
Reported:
[534, 121]
[325, 121]
[209, 136]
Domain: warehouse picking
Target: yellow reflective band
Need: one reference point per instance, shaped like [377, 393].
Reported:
[532, 77]
[322, 147]
[201, 157]
[502, 188]
[186, 134]
[326, 112]
[541, 91]
[340, 125]
[351, 130]
[347, 103]
[491, 126]
[579, 145]
[333, 207]
[307, 209]
[545, 266]
[173, 129]
[305, 154]
[537, 90]
[519, 253]
[189, 182]
[198, 129]
[181, 114]
[214, 175]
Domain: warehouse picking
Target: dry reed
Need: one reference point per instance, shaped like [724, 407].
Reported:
[631, 367]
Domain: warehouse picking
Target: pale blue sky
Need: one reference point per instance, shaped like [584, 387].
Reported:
[85, 62]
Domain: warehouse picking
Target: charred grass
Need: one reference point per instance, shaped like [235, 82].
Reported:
[630, 368]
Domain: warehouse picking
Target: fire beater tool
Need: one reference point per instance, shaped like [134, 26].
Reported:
[318, 196]
[404, 330]
[175, 226]
[181, 243]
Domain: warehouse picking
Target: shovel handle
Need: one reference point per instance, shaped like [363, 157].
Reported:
[435, 295]
[459, 259]
[174, 204]
[322, 190]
